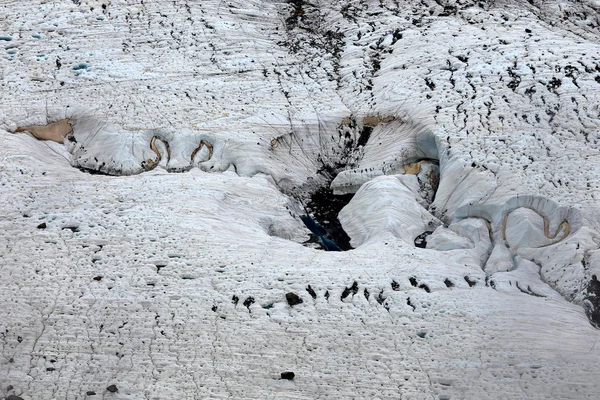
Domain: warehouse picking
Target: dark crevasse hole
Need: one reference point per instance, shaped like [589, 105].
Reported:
[421, 240]
[365, 135]
[320, 204]
[323, 208]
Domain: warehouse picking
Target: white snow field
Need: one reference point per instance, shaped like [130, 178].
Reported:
[153, 247]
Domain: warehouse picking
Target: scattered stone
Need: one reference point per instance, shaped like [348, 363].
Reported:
[470, 282]
[293, 299]
[448, 283]
[395, 286]
[42, 226]
[248, 302]
[97, 278]
[311, 291]
[13, 397]
[410, 304]
[345, 293]
[112, 388]
[90, 393]
[288, 375]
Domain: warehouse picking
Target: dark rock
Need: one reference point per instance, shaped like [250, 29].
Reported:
[293, 299]
[13, 397]
[90, 393]
[352, 289]
[42, 226]
[395, 285]
[448, 283]
[112, 388]
[288, 375]
[470, 282]
[409, 303]
[248, 302]
[97, 278]
[345, 293]
[311, 291]
[413, 281]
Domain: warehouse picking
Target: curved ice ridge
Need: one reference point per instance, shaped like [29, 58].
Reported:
[556, 218]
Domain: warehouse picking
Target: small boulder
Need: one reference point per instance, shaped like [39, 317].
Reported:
[293, 299]
[112, 388]
[289, 375]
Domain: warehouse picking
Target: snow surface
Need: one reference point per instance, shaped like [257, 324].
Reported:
[173, 285]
